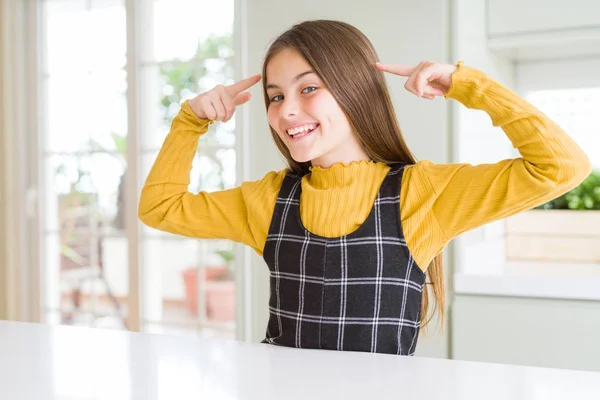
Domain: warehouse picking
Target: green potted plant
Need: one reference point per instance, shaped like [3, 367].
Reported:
[564, 229]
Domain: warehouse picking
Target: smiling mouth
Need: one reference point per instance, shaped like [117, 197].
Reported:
[301, 131]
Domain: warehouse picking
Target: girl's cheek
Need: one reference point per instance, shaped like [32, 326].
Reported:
[314, 102]
[273, 118]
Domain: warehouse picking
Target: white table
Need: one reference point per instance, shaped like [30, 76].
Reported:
[39, 362]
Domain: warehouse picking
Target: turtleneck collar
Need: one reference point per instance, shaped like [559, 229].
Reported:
[340, 174]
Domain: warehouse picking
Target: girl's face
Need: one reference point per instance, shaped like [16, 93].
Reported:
[305, 115]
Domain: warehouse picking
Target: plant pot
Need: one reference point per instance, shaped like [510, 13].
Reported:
[219, 293]
[220, 300]
[553, 235]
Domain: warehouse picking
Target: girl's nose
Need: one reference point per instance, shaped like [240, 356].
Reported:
[289, 108]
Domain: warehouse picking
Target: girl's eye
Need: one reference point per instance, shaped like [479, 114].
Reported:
[276, 98]
[309, 89]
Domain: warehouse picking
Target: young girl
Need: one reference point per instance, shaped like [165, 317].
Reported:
[352, 226]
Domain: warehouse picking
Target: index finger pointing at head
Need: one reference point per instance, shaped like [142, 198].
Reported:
[244, 84]
[397, 69]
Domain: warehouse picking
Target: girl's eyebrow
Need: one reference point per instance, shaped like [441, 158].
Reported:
[296, 79]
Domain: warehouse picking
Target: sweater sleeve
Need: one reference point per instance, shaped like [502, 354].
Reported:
[455, 198]
[241, 214]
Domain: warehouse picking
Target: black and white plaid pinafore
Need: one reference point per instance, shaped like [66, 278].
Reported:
[358, 292]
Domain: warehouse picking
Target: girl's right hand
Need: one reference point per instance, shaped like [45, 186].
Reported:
[219, 103]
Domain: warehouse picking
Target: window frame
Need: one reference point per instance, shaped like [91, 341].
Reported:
[27, 267]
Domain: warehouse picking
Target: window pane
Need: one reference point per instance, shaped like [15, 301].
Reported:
[174, 283]
[77, 38]
[179, 25]
[188, 286]
[85, 260]
[227, 162]
[86, 280]
[85, 263]
[576, 111]
[84, 133]
[169, 84]
[97, 180]
[86, 111]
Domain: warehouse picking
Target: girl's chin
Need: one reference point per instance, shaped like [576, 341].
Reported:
[306, 155]
[302, 156]
[301, 159]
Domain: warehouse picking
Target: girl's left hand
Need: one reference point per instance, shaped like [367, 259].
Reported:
[427, 80]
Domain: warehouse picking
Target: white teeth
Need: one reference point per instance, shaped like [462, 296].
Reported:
[302, 128]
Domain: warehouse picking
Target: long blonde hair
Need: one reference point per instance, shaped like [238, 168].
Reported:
[344, 59]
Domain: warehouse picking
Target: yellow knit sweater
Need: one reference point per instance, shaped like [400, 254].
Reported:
[438, 202]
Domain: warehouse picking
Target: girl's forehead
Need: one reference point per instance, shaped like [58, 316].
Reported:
[286, 65]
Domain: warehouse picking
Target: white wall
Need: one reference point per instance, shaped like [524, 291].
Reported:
[402, 32]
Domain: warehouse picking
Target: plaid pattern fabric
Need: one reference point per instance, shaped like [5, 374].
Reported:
[358, 292]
